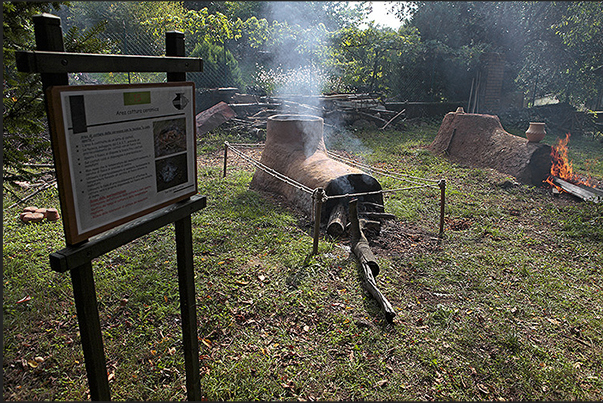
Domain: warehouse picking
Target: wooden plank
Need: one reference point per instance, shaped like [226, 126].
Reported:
[84, 294]
[588, 194]
[65, 62]
[74, 256]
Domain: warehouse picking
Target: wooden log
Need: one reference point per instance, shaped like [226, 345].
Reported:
[213, 117]
[581, 191]
[370, 267]
[360, 245]
[380, 216]
[371, 286]
[480, 141]
[378, 207]
[337, 220]
[370, 226]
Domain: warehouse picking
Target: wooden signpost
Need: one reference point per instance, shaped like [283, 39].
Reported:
[118, 177]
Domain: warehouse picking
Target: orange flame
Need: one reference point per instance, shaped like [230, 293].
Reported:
[562, 167]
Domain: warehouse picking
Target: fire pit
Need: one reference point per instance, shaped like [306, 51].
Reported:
[563, 179]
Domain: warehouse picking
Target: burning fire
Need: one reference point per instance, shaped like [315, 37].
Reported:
[562, 166]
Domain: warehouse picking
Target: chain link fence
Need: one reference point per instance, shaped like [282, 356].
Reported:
[256, 72]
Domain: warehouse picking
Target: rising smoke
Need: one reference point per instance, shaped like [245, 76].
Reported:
[296, 69]
[294, 64]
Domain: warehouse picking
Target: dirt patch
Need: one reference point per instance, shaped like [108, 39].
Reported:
[398, 239]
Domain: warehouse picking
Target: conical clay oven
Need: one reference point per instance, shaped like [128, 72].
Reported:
[295, 147]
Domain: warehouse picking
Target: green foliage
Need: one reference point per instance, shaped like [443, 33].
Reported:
[550, 47]
[86, 41]
[24, 122]
[23, 117]
[372, 59]
[220, 68]
[581, 31]
[128, 24]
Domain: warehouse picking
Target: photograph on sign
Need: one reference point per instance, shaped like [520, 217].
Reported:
[124, 150]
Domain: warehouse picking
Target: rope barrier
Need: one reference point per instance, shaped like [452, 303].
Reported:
[319, 196]
[374, 192]
[248, 145]
[271, 171]
[369, 169]
[308, 190]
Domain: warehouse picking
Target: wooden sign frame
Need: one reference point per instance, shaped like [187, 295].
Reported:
[121, 152]
[51, 60]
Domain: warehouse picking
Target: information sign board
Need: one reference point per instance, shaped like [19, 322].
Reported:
[121, 152]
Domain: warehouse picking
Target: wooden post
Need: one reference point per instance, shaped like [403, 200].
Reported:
[318, 198]
[84, 294]
[225, 157]
[442, 185]
[49, 37]
[188, 307]
[174, 46]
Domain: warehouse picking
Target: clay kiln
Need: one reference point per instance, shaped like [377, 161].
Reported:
[480, 140]
[295, 147]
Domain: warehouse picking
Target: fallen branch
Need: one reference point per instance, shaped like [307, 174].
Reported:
[368, 115]
[369, 264]
[394, 118]
[38, 165]
[46, 186]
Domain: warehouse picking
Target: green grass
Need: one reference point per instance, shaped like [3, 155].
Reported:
[508, 306]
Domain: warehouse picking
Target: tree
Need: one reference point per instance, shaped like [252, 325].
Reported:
[25, 133]
[369, 59]
[220, 68]
[549, 47]
[581, 31]
[23, 117]
[128, 23]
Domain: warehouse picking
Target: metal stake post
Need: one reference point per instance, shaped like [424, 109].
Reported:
[442, 185]
[225, 157]
[319, 195]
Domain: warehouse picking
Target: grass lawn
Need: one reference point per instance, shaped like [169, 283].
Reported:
[509, 306]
